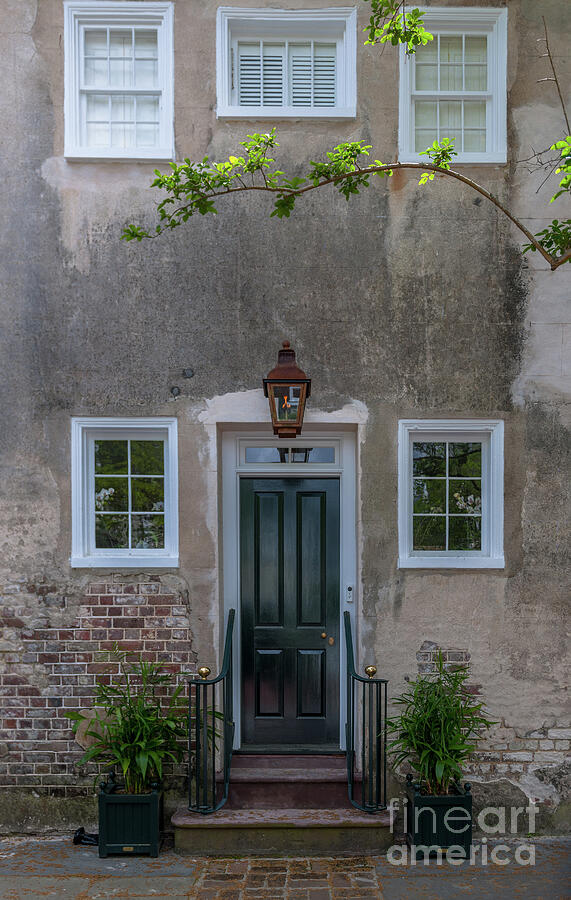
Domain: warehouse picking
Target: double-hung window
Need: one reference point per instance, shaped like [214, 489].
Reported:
[450, 494]
[124, 492]
[286, 63]
[455, 86]
[118, 80]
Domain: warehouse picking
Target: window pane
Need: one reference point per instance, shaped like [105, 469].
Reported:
[426, 78]
[121, 44]
[95, 72]
[147, 109]
[474, 114]
[313, 454]
[147, 135]
[429, 533]
[111, 494]
[429, 458]
[147, 457]
[148, 532]
[146, 44]
[146, 73]
[427, 53]
[451, 48]
[450, 115]
[475, 141]
[476, 78]
[429, 496]
[122, 108]
[465, 459]
[120, 73]
[450, 78]
[112, 531]
[424, 138]
[425, 114]
[476, 49]
[465, 496]
[97, 135]
[111, 457]
[122, 136]
[267, 454]
[148, 494]
[465, 533]
[96, 43]
[97, 108]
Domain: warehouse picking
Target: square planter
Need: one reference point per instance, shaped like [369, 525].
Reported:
[436, 823]
[129, 823]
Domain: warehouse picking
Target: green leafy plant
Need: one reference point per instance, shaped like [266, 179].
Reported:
[133, 730]
[438, 728]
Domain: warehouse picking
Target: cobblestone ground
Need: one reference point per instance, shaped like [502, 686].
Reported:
[32, 869]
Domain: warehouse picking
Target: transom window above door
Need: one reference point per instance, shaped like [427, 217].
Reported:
[118, 80]
[455, 86]
[259, 453]
[287, 63]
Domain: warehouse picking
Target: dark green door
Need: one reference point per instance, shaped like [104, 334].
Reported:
[289, 565]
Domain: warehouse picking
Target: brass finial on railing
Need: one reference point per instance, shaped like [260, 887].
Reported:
[370, 671]
[204, 672]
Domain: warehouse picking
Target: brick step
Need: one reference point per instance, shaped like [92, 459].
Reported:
[281, 832]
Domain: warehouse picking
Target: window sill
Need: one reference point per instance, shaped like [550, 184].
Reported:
[452, 562]
[464, 159]
[154, 156]
[285, 112]
[124, 562]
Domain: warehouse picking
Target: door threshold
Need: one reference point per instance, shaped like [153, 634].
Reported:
[292, 749]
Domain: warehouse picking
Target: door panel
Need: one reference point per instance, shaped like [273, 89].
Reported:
[289, 564]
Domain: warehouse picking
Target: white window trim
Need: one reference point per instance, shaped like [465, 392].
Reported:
[345, 17]
[491, 432]
[79, 13]
[83, 430]
[452, 20]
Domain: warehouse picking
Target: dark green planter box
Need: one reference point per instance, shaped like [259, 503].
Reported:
[129, 823]
[438, 822]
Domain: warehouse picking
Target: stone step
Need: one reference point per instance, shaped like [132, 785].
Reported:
[281, 832]
[289, 761]
[288, 782]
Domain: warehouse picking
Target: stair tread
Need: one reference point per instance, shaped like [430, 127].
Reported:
[294, 761]
[276, 818]
[263, 775]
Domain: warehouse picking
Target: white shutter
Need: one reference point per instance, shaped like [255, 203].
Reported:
[313, 74]
[324, 74]
[249, 75]
[261, 74]
[300, 73]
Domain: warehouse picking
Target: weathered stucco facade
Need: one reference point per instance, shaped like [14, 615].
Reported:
[404, 303]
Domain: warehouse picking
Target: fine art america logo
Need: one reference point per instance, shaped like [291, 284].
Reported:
[492, 821]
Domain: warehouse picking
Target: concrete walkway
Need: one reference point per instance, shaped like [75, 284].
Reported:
[34, 869]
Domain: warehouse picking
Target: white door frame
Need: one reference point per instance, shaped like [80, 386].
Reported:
[345, 469]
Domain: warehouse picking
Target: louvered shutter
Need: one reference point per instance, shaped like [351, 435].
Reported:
[261, 74]
[313, 74]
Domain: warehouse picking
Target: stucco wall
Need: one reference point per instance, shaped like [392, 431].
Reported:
[413, 302]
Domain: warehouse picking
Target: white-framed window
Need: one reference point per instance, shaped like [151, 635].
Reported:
[455, 86]
[277, 63]
[118, 80]
[451, 493]
[124, 481]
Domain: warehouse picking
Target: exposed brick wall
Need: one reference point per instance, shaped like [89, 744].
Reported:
[53, 650]
[504, 751]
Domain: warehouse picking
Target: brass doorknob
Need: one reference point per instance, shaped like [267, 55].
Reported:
[371, 671]
[323, 634]
[204, 672]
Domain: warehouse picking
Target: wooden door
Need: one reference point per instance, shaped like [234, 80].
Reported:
[289, 564]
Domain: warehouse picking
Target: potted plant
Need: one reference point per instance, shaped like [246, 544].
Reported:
[133, 732]
[436, 731]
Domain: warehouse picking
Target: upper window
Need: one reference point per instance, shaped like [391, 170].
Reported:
[273, 62]
[124, 492]
[118, 80]
[455, 86]
[450, 494]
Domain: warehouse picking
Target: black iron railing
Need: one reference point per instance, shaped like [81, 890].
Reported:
[367, 701]
[211, 732]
